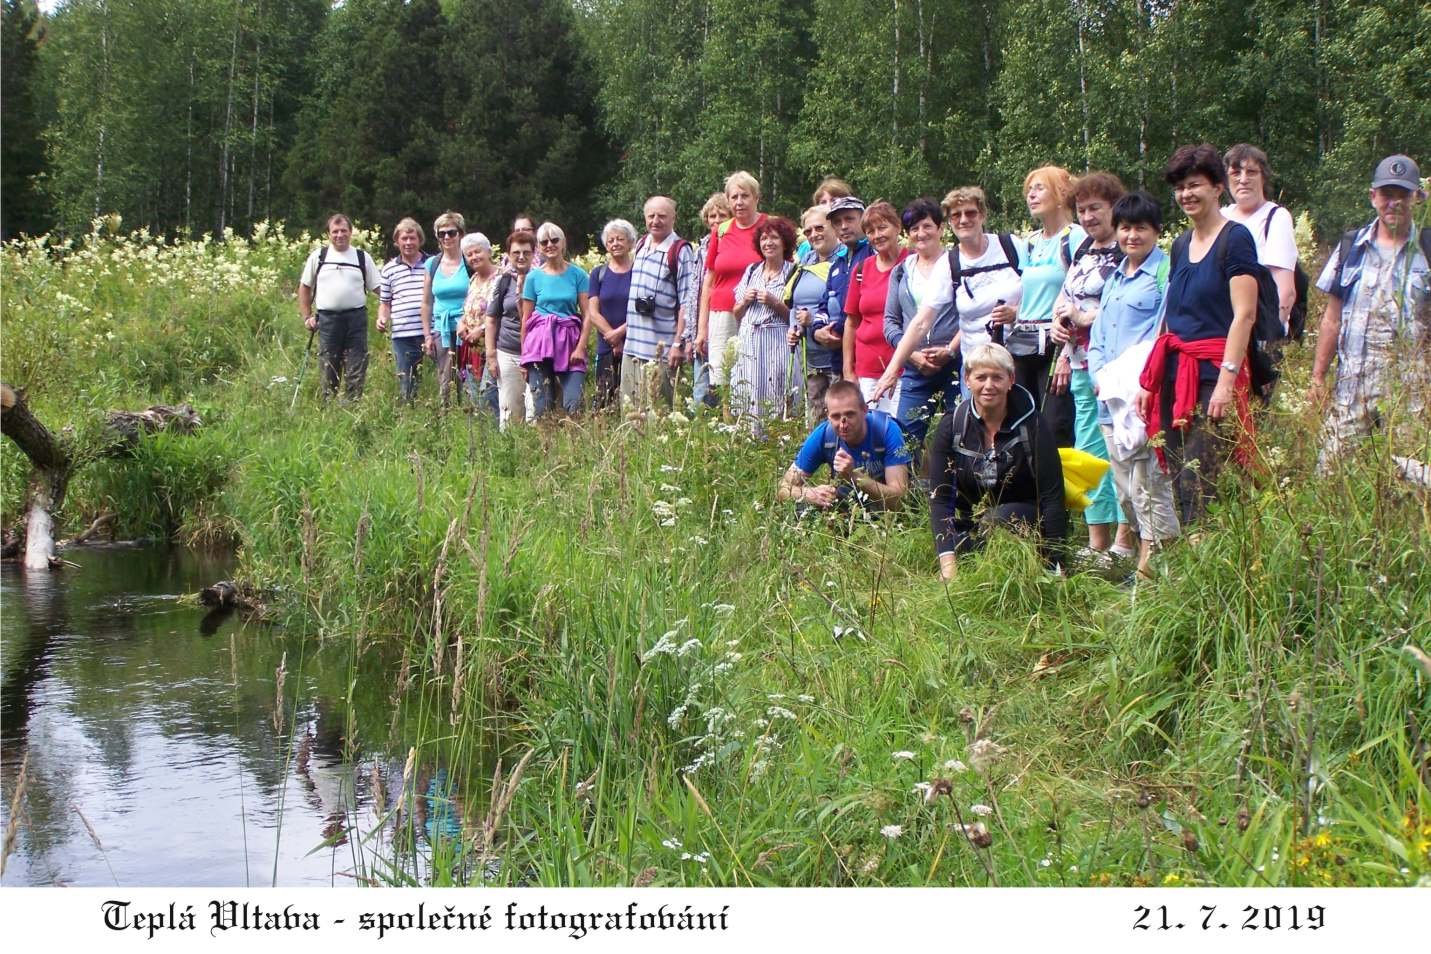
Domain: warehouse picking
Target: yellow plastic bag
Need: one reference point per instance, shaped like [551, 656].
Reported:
[1081, 473]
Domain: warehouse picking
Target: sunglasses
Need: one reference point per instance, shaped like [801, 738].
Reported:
[964, 214]
[549, 241]
[448, 233]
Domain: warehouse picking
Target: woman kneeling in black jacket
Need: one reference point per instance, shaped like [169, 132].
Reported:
[994, 449]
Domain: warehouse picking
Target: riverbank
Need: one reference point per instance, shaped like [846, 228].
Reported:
[715, 692]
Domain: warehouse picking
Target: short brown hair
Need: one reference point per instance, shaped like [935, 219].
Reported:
[963, 196]
[1102, 185]
[833, 186]
[880, 211]
[521, 237]
[1243, 153]
[848, 389]
[1188, 161]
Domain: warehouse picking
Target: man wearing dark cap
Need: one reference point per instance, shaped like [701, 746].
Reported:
[1378, 317]
[846, 217]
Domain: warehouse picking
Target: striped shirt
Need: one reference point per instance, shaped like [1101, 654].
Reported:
[400, 288]
[650, 277]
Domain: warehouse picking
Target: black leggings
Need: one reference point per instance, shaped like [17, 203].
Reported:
[1031, 371]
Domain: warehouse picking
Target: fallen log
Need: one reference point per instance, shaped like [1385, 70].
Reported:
[50, 469]
[124, 428]
[100, 524]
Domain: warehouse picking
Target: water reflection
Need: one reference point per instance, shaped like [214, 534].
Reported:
[156, 722]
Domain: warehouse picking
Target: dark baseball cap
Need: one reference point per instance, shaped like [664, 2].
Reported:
[847, 203]
[1397, 171]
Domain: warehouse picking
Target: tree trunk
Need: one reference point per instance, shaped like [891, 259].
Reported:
[50, 475]
[228, 125]
[124, 427]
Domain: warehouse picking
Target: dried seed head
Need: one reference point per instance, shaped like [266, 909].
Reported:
[978, 835]
[1243, 819]
[966, 715]
[1222, 821]
[984, 753]
[1294, 699]
[1338, 859]
[1189, 839]
[1144, 799]
[941, 786]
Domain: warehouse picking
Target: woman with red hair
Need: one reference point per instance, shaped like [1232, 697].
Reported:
[760, 379]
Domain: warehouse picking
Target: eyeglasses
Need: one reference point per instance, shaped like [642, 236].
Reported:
[448, 233]
[549, 241]
[520, 252]
[965, 214]
[813, 229]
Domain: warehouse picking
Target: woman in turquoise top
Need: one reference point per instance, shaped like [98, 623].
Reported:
[1048, 191]
[555, 325]
[444, 291]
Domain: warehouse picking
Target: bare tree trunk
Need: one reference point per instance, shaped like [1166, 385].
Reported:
[49, 477]
[189, 154]
[253, 125]
[1083, 87]
[228, 125]
[925, 53]
[104, 102]
[894, 84]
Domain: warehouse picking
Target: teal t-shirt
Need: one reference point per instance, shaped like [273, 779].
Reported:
[556, 294]
[1043, 276]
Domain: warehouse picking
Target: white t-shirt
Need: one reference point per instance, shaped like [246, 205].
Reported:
[342, 284]
[932, 289]
[1277, 244]
[978, 294]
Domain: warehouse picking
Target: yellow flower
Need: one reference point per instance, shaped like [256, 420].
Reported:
[1303, 861]
[1172, 878]
[1322, 840]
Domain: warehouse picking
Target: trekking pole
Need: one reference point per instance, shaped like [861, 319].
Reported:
[302, 368]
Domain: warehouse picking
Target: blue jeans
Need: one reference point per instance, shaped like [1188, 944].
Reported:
[548, 385]
[407, 353]
[918, 396]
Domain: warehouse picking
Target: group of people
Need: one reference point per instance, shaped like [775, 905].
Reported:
[1083, 334]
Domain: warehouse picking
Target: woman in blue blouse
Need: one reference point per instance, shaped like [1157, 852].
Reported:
[555, 325]
[444, 292]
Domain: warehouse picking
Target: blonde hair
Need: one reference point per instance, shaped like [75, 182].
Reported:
[409, 224]
[963, 196]
[832, 186]
[823, 211]
[1056, 180]
[618, 225]
[550, 230]
[453, 219]
[743, 180]
[717, 202]
[989, 355]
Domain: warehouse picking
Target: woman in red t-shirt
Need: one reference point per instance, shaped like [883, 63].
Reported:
[731, 251]
[867, 353]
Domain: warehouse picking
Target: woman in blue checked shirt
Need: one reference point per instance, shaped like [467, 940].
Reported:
[760, 380]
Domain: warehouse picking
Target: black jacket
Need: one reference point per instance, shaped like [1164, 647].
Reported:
[1023, 468]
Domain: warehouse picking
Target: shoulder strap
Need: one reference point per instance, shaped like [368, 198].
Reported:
[1344, 248]
[724, 227]
[829, 442]
[1267, 225]
[788, 296]
[1424, 240]
[1161, 275]
[1179, 249]
[499, 293]
[431, 265]
[1065, 247]
[318, 270]
[1082, 248]
[955, 267]
[1010, 252]
[879, 421]
[673, 258]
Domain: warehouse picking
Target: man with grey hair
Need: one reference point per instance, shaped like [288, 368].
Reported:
[661, 306]
[1378, 318]
[332, 301]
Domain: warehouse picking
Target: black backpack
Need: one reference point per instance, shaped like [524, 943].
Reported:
[957, 273]
[1025, 437]
[1297, 317]
[1266, 326]
[362, 268]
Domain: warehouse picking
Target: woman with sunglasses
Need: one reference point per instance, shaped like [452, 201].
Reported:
[444, 292]
[555, 325]
[812, 309]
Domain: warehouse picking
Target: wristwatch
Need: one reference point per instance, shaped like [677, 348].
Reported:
[1231, 368]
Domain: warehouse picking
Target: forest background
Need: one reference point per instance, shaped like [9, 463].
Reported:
[195, 116]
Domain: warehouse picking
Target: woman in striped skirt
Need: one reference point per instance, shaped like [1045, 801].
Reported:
[760, 380]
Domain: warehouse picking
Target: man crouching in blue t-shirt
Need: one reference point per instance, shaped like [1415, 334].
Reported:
[865, 450]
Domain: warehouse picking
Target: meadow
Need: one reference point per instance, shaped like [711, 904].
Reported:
[704, 689]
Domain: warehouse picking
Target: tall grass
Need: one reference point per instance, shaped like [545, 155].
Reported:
[715, 692]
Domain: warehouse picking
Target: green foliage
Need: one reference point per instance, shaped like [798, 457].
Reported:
[23, 160]
[716, 692]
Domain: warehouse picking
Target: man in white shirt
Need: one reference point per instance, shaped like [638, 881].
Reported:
[332, 300]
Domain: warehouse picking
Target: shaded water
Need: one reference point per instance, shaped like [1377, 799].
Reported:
[154, 721]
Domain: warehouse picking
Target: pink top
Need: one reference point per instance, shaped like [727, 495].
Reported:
[866, 299]
[552, 338]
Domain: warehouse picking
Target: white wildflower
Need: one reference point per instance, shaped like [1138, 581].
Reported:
[903, 755]
[981, 809]
[673, 844]
[954, 765]
[805, 698]
[892, 831]
[669, 522]
[778, 712]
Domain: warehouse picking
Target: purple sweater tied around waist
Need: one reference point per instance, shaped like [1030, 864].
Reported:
[552, 338]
